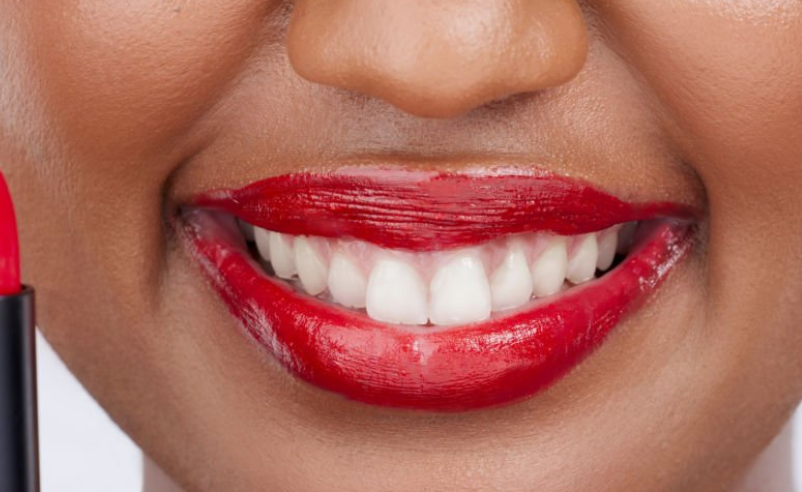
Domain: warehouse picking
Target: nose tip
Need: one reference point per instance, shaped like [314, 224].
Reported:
[438, 59]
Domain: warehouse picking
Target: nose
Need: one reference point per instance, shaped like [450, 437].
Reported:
[438, 59]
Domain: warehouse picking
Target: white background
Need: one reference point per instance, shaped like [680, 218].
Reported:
[83, 451]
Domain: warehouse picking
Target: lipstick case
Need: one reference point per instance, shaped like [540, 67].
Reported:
[19, 470]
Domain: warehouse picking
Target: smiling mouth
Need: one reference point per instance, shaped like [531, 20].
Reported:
[434, 291]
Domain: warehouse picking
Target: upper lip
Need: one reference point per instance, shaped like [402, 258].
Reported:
[472, 366]
[430, 210]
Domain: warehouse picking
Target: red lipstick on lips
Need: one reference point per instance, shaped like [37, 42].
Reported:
[466, 367]
[422, 211]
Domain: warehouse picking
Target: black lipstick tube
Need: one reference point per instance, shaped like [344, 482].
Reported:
[19, 446]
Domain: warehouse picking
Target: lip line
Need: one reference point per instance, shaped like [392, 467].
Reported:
[429, 210]
[465, 368]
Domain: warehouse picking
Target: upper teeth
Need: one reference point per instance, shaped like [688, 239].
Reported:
[511, 284]
[346, 281]
[549, 268]
[459, 292]
[443, 288]
[582, 261]
[396, 292]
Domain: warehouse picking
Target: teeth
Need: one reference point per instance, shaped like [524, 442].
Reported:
[459, 291]
[281, 255]
[262, 238]
[549, 269]
[347, 283]
[608, 242]
[396, 293]
[312, 269]
[511, 283]
[583, 259]
[394, 286]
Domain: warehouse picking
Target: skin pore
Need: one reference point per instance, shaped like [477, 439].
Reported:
[113, 114]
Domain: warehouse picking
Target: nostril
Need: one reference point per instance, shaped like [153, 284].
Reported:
[438, 61]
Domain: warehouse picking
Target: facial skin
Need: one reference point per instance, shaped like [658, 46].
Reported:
[113, 114]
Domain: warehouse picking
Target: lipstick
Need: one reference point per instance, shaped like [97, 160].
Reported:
[19, 449]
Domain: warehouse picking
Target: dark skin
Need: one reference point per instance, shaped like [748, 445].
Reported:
[115, 113]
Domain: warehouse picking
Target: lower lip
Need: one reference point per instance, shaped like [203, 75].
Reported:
[486, 364]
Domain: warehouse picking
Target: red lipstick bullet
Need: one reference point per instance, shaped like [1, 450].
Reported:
[19, 450]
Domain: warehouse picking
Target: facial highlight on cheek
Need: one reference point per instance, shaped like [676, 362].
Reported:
[132, 77]
[729, 81]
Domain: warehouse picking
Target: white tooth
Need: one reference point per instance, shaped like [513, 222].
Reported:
[312, 268]
[347, 283]
[459, 291]
[549, 269]
[281, 255]
[625, 236]
[262, 238]
[583, 259]
[396, 293]
[247, 230]
[511, 283]
[608, 241]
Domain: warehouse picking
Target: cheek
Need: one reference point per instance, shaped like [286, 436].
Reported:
[729, 76]
[120, 82]
[130, 76]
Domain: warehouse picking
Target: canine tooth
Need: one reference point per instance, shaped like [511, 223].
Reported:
[608, 241]
[549, 269]
[459, 291]
[583, 259]
[396, 293]
[625, 236]
[511, 283]
[281, 254]
[346, 281]
[262, 238]
[312, 268]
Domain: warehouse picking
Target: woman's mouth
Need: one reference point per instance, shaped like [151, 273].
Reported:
[436, 291]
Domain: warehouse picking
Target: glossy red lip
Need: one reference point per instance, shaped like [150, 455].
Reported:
[429, 210]
[474, 366]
